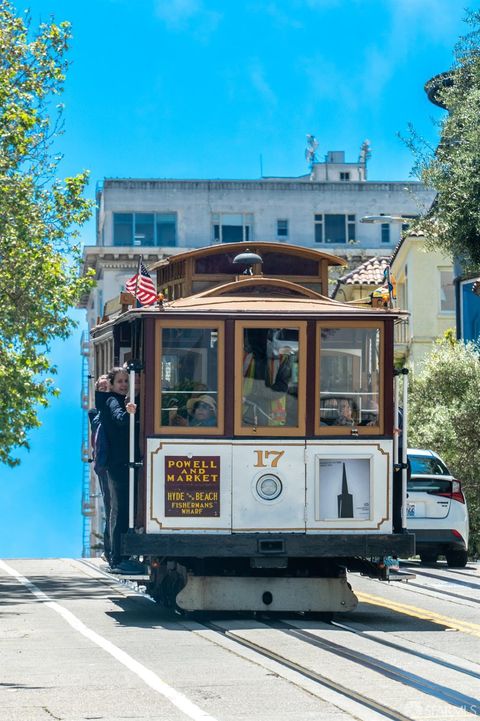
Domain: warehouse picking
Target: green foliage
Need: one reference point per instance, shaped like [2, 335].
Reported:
[453, 169]
[444, 416]
[39, 219]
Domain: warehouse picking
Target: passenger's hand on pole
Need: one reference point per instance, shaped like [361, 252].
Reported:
[131, 407]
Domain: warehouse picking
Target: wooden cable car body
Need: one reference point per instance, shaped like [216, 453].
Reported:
[256, 492]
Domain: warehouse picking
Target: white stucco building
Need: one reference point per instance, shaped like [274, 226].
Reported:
[320, 210]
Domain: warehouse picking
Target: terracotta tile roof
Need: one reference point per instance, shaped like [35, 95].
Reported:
[368, 273]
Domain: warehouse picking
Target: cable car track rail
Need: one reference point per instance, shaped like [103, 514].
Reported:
[365, 701]
[430, 688]
[410, 651]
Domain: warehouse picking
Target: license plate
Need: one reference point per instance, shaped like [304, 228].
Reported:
[410, 510]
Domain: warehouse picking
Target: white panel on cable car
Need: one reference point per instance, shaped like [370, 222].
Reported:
[268, 486]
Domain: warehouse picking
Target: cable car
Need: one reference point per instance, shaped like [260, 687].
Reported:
[267, 432]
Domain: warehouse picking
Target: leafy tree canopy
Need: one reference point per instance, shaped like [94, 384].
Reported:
[39, 219]
[453, 169]
[444, 416]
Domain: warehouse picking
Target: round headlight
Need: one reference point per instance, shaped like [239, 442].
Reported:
[269, 487]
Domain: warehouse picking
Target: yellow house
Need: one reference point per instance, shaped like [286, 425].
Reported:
[424, 286]
[425, 289]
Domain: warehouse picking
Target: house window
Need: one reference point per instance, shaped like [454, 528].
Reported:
[385, 233]
[334, 228]
[231, 227]
[145, 229]
[344, 176]
[282, 229]
[447, 295]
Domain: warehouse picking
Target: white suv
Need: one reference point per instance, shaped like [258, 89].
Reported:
[436, 509]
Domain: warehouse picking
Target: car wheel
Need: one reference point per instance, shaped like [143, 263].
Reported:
[456, 559]
[428, 557]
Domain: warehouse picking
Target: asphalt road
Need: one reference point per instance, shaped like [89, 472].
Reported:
[77, 644]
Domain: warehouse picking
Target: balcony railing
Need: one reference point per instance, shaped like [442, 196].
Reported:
[402, 332]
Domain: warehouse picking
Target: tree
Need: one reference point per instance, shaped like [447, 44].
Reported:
[453, 168]
[39, 219]
[445, 413]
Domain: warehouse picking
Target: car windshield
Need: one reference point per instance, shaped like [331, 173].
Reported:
[428, 466]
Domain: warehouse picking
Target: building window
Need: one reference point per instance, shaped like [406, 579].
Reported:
[447, 294]
[282, 229]
[231, 227]
[145, 229]
[123, 228]
[385, 233]
[344, 176]
[334, 228]
[406, 226]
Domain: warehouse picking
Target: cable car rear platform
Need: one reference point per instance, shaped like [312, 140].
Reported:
[261, 545]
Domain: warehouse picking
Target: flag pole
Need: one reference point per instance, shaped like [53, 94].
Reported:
[138, 278]
[131, 449]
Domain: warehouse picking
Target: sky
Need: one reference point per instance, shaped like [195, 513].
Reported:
[215, 89]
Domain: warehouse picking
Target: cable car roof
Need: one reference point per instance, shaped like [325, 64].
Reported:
[254, 246]
[256, 295]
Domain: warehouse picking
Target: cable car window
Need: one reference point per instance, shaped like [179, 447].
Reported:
[350, 378]
[189, 379]
[271, 373]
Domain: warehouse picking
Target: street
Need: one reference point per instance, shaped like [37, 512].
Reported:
[78, 644]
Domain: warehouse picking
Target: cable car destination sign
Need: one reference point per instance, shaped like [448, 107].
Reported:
[192, 486]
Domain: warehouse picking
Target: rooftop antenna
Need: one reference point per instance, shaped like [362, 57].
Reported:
[310, 150]
[365, 155]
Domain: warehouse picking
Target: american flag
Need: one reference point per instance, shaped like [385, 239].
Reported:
[142, 286]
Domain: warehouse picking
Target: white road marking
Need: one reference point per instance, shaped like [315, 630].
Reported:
[146, 675]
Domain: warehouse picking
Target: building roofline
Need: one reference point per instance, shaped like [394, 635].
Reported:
[283, 183]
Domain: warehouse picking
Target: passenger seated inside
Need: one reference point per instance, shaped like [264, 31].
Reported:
[200, 411]
[370, 413]
[345, 413]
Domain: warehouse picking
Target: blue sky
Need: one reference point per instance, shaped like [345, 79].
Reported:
[203, 89]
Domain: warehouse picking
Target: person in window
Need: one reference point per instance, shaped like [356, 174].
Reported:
[202, 411]
[345, 413]
[370, 413]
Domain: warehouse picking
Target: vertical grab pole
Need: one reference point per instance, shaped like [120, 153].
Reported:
[404, 447]
[396, 459]
[131, 449]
